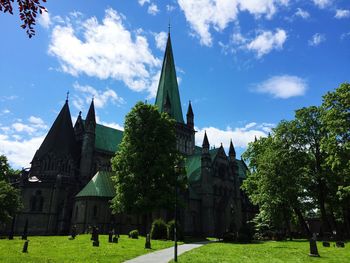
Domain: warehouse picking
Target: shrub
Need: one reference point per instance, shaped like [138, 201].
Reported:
[134, 234]
[171, 226]
[159, 229]
[229, 237]
[245, 234]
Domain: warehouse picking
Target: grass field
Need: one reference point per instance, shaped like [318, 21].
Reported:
[60, 249]
[272, 252]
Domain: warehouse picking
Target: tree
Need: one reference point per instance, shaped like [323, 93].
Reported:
[10, 202]
[276, 179]
[28, 11]
[336, 119]
[144, 163]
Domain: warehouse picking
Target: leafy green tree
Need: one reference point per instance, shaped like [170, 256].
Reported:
[276, 180]
[10, 201]
[309, 133]
[144, 164]
[336, 119]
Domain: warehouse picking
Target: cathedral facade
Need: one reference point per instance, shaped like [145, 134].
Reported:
[69, 182]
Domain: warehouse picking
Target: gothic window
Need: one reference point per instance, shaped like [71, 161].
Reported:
[94, 211]
[36, 202]
[76, 212]
[32, 203]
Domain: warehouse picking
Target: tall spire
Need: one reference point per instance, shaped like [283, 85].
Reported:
[232, 151]
[168, 85]
[60, 139]
[190, 116]
[205, 143]
[90, 117]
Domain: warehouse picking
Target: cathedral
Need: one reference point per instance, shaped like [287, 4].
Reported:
[69, 182]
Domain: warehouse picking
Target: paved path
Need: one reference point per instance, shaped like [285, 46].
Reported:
[165, 255]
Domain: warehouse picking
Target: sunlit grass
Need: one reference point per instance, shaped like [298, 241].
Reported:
[272, 252]
[61, 249]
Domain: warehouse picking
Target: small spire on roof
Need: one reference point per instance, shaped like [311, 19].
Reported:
[169, 26]
[67, 96]
[79, 113]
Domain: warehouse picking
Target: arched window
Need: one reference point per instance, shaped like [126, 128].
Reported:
[76, 212]
[36, 202]
[94, 211]
[32, 203]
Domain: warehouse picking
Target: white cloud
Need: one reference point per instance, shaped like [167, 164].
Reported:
[266, 41]
[170, 8]
[142, 2]
[317, 39]
[44, 20]
[113, 125]
[203, 15]
[36, 120]
[19, 151]
[322, 3]
[283, 86]
[20, 127]
[105, 50]
[5, 111]
[240, 136]
[342, 13]
[101, 98]
[161, 39]
[153, 9]
[302, 13]
[344, 35]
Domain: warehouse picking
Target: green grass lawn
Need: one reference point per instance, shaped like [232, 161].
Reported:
[272, 252]
[60, 249]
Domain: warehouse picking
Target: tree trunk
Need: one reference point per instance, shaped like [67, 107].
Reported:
[287, 222]
[302, 221]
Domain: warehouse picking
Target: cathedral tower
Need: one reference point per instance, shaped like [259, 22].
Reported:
[168, 100]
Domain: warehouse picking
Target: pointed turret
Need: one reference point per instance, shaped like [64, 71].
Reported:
[88, 146]
[232, 152]
[168, 85]
[61, 138]
[190, 116]
[90, 122]
[205, 144]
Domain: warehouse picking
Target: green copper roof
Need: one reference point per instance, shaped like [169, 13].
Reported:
[242, 169]
[100, 185]
[193, 165]
[107, 139]
[168, 85]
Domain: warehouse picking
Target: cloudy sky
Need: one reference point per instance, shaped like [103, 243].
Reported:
[244, 64]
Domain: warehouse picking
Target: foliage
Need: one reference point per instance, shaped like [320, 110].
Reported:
[265, 252]
[134, 234]
[336, 119]
[10, 201]
[303, 168]
[159, 229]
[58, 249]
[28, 11]
[144, 164]
[179, 230]
[276, 178]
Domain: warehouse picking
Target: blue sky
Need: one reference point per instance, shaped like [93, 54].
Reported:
[244, 64]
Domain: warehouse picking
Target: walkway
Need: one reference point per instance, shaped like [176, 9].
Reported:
[165, 255]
